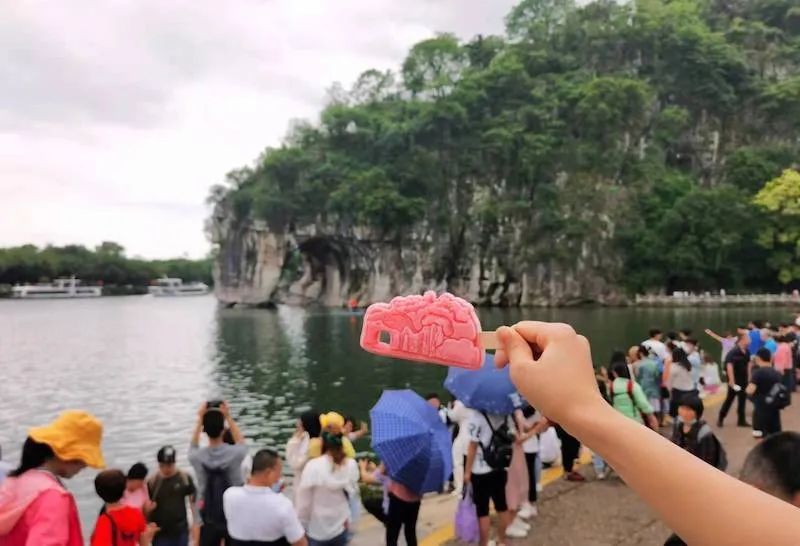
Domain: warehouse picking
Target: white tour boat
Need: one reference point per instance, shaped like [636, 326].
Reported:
[167, 286]
[60, 288]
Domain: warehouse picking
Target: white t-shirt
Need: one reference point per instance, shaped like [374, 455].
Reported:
[258, 513]
[461, 414]
[322, 496]
[531, 445]
[656, 347]
[481, 432]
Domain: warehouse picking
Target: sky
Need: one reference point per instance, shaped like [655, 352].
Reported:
[117, 116]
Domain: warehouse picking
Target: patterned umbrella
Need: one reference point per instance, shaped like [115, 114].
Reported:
[411, 440]
[487, 389]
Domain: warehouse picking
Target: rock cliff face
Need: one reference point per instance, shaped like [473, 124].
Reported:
[323, 264]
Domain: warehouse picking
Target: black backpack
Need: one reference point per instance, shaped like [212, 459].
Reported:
[216, 483]
[778, 396]
[498, 454]
[722, 456]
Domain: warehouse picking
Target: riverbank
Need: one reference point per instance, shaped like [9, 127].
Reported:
[595, 512]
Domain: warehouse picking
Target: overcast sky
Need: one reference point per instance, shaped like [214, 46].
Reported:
[117, 116]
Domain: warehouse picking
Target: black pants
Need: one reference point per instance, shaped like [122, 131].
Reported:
[212, 534]
[726, 406]
[767, 420]
[530, 462]
[374, 505]
[570, 447]
[401, 514]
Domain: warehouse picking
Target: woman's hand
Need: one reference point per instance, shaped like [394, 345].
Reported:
[551, 366]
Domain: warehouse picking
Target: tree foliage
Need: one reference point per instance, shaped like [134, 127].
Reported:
[781, 199]
[107, 263]
[628, 135]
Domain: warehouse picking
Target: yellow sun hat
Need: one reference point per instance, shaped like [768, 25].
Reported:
[74, 436]
[331, 420]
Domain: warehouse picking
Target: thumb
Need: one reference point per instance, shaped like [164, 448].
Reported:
[515, 348]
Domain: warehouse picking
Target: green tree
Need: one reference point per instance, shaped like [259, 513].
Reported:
[780, 197]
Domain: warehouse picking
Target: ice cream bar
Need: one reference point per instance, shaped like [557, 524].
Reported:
[429, 328]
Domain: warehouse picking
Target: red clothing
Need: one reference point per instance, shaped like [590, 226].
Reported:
[129, 524]
[36, 509]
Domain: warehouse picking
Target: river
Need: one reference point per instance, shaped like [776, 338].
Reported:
[143, 365]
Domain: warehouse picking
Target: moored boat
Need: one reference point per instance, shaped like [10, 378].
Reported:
[58, 289]
[174, 287]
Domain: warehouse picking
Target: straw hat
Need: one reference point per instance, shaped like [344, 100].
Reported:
[74, 436]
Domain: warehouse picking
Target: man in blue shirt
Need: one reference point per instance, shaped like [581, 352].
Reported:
[755, 336]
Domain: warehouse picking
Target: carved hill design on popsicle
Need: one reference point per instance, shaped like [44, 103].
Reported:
[426, 328]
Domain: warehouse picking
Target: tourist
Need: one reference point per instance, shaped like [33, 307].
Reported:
[257, 513]
[694, 358]
[533, 424]
[118, 524]
[782, 360]
[686, 496]
[459, 415]
[488, 458]
[333, 423]
[649, 378]
[655, 346]
[710, 375]
[5, 467]
[135, 494]
[397, 509]
[307, 428]
[769, 342]
[766, 416]
[694, 435]
[628, 398]
[737, 366]
[754, 332]
[679, 380]
[773, 466]
[517, 480]
[570, 449]
[727, 340]
[35, 507]
[683, 336]
[322, 496]
[349, 429]
[169, 489]
[217, 467]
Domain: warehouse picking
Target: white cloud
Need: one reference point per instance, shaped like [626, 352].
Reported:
[117, 117]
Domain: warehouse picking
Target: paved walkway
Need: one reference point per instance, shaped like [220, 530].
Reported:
[592, 513]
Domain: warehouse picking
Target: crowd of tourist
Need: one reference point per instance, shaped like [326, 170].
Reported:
[239, 496]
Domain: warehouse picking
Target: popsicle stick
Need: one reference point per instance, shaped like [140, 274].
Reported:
[489, 341]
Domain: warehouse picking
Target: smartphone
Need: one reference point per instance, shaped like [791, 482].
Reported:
[213, 403]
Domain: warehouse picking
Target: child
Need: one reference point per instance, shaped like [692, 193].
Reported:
[135, 492]
[117, 524]
[710, 375]
[694, 435]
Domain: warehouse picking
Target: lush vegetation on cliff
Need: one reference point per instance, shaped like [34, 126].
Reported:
[107, 263]
[641, 130]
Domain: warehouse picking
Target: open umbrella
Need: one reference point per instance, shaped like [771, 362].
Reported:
[487, 389]
[411, 440]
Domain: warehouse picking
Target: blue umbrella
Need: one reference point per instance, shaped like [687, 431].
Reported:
[411, 440]
[487, 389]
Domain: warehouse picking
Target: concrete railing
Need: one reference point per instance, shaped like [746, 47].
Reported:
[685, 299]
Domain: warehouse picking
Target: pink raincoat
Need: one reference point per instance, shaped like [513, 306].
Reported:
[35, 510]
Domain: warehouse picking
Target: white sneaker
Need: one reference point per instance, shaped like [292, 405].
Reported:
[521, 523]
[534, 510]
[516, 532]
[601, 475]
[539, 488]
[526, 511]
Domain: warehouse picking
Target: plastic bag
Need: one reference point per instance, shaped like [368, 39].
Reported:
[467, 518]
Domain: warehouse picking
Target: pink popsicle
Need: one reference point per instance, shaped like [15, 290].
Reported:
[444, 330]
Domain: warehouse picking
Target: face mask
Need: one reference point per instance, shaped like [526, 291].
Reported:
[277, 486]
[692, 422]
